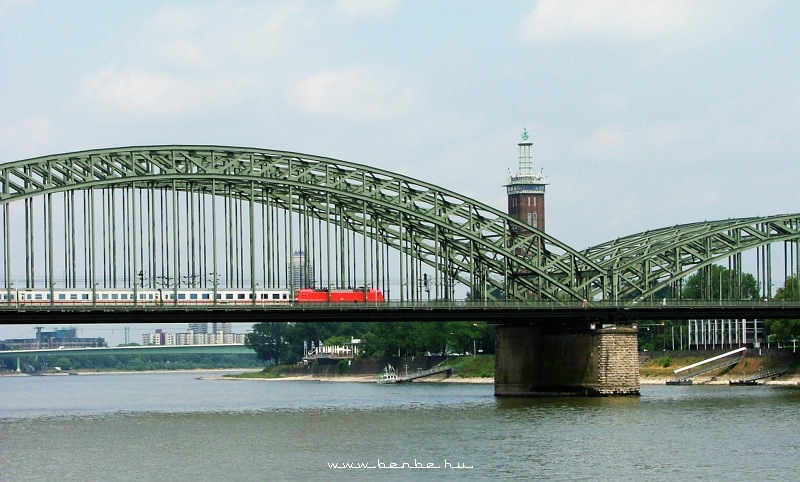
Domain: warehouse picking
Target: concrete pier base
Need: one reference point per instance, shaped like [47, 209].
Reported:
[533, 360]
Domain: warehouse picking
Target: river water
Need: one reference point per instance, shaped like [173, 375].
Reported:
[179, 426]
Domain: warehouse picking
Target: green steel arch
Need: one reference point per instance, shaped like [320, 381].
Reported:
[640, 265]
[464, 240]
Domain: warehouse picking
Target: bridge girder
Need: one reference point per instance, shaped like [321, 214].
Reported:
[436, 226]
[473, 242]
[641, 264]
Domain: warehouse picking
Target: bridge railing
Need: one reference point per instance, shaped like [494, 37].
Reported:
[411, 305]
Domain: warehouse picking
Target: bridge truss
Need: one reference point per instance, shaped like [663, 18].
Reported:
[197, 215]
[207, 216]
[641, 265]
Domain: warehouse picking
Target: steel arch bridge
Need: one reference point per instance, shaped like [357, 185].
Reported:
[191, 215]
[641, 265]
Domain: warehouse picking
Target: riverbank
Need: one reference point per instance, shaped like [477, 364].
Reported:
[129, 372]
[656, 368]
[792, 380]
[347, 378]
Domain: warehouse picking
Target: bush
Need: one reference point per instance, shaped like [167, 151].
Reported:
[665, 362]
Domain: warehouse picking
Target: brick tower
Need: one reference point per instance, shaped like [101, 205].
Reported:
[526, 189]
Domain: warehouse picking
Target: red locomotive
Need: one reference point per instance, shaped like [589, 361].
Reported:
[308, 295]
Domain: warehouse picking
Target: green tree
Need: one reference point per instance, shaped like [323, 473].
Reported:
[717, 282]
[785, 330]
[267, 340]
[337, 340]
[63, 363]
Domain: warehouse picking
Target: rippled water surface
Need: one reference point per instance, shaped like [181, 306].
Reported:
[175, 426]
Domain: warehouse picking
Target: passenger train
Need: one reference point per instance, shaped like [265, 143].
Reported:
[193, 296]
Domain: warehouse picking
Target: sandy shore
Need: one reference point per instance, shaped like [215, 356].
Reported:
[350, 379]
[789, 380]
[220, 374]
[793, 380]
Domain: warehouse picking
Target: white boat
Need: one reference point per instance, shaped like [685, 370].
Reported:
[388, 375]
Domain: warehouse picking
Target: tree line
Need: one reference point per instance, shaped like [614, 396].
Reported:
[138, 362]
[284, 343]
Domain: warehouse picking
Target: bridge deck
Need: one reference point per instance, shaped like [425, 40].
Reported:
[492, 312]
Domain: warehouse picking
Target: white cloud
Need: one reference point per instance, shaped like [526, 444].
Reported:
[8, 5]
[613, 101]
[38, 132]
[366, 8]
[216, 35]
[144, 93]
[680, 22]
[607, 141]
[357, 94]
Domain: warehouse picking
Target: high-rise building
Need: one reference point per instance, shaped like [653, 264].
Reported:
[221, 328]
[302, 271]
[525, 189]
[198, 327]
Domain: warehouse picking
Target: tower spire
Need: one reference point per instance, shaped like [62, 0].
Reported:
[525, 190]
[525, 157]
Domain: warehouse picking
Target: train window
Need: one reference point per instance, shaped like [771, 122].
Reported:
[73, 296]
[142, 296]
[276, 296]
[124, 296]
[206, 296]
[240, 296]
[104, 296]
[62, 296]
[285, 296]
[219, 296]
[192, 296]
[114, 296]
[38, 296]
[150, 296]
[249, 296]
[85, 296]
[181, 296]
[228, 296]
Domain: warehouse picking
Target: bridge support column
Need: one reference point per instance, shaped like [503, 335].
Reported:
[535, 360]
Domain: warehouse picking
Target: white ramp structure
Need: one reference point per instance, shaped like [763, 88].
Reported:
[683, 376]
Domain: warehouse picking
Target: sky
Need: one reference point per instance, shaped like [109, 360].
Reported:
[643, 114]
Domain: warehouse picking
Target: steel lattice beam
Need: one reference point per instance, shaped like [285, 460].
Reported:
[434, 225]
[476, 239]
[641, 264]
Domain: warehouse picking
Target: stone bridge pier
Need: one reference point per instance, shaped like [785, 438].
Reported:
[533, 360]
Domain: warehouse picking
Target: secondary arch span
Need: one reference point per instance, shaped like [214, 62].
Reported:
[642, 264]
